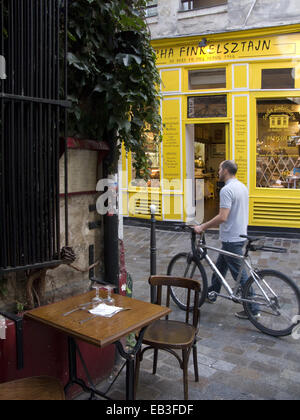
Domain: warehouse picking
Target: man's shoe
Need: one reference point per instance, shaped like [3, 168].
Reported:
[211, 301]
[243, 315]
[211, 297]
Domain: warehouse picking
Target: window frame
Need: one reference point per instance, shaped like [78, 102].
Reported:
[207, 117]
[292, 68]
[215, 66]
[207, 69]
[153, 6]
[191, 5]
[256, 75]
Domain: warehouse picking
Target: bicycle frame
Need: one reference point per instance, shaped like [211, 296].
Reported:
[244, 264]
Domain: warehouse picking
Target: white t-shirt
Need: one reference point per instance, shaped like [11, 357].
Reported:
[234, 196]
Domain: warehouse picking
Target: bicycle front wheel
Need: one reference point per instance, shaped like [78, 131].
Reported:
[278, 315]
[183, 265]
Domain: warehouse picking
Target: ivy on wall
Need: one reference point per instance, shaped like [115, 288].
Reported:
[112, 77]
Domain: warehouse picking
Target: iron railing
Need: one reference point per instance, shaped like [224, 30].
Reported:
[33, 41]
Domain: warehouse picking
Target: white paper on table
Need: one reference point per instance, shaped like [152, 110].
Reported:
[106, 310]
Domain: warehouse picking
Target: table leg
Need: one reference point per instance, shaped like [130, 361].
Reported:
[130, 363]
[73, 378]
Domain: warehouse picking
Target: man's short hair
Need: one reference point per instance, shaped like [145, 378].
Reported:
[231, 166]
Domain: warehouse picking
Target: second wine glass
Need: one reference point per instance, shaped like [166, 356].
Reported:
[97, 299]
[109, 300]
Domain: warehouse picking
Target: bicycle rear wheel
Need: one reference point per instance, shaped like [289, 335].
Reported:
[279, 317]
[184, 265]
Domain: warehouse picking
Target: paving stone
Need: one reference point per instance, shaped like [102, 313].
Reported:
[262, 367]
[224, 366]
[265, 342]
[293, 356]
[247, 372]
[291, 375]
[233, 350]
[270, 352]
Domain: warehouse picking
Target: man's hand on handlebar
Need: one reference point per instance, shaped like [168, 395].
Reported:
[199, 229]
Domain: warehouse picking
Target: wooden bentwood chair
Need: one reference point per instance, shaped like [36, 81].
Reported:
[171, 335]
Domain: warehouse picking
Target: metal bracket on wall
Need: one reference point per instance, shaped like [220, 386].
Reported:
[19, 337]
[96, 224]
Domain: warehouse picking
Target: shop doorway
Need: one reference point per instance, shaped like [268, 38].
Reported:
[209, 152]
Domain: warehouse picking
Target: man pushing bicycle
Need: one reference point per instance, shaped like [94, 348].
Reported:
[233, 222]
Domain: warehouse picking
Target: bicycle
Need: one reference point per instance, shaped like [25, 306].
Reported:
[275, 295]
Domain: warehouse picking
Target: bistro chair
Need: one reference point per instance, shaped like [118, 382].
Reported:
[173, 336]
[32, 389]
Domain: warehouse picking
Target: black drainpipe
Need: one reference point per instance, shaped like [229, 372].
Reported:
[111, 249]
[111, 240]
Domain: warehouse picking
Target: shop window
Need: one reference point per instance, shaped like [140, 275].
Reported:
[207, 79]
[152, 153]
[214, 106]
[278, 143]
[151, 8]
[278, 79]
[199, 4]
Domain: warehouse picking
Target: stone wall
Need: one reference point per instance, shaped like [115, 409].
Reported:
[171, 22]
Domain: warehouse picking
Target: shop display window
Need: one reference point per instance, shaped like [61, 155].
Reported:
[152, 153]
[207, 79]
[278, 79]
[214, 106]
[278, 143]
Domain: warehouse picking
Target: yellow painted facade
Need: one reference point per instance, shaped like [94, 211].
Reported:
[243, 120]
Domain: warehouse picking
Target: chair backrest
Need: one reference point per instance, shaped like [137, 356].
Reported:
[189, 284]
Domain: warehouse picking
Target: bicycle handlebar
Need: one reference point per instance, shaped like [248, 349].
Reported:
[190, 229]
[250, 246]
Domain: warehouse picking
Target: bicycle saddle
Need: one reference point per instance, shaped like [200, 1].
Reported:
[252, 238]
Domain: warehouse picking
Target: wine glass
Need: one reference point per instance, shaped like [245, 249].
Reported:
[109, 300]
[97, 299]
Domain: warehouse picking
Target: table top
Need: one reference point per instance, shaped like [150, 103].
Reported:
[99, 331]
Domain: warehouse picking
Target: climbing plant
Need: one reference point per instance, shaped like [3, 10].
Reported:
[112, 77]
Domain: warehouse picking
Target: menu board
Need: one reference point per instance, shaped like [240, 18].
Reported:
[241, 137]
[171, 155]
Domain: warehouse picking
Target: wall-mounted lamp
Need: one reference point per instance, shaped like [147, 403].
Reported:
[203, 43]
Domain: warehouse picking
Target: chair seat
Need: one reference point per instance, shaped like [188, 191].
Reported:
[174, 334]
[32, 389]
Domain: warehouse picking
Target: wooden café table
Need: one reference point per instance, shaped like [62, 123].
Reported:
[100, 331]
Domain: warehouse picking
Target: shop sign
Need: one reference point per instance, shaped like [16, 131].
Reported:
[228, 50]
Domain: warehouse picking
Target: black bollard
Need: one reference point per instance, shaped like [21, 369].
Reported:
[153, 252]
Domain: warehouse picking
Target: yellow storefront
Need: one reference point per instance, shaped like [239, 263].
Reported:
[234, 96]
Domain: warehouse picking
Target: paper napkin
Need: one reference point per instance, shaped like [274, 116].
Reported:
[105, 310]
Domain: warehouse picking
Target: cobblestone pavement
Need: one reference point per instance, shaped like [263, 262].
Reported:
[236, 361]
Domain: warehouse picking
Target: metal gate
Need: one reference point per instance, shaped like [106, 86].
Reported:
[33, 42]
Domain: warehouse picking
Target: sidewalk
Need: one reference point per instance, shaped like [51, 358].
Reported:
[236, 361]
